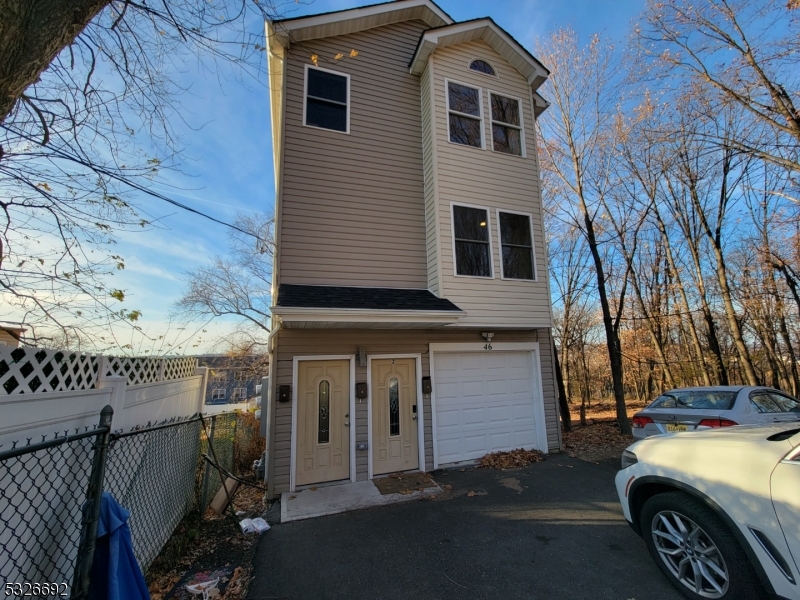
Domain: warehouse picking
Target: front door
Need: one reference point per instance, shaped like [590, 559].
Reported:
[394, 415]
[323, 420]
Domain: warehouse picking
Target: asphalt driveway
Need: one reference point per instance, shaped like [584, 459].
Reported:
[553, 531]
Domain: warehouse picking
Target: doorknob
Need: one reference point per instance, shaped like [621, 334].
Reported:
[347, 423]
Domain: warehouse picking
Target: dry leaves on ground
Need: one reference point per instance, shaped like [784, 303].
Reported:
[514, 459]
[597, 442]
[214, 544]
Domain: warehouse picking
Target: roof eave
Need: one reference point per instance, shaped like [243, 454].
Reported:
[356, 19]
[363, 315]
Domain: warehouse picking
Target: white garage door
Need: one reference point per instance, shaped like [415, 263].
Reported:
[484, 402]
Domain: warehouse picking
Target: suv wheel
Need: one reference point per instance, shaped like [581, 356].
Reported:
[695, 550]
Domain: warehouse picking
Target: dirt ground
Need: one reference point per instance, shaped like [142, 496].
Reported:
[599, 440]
[214, 543]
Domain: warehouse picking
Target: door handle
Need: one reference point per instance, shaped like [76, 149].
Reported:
[347, 423]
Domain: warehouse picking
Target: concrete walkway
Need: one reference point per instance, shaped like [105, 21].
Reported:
[553, 530]
[335, 499]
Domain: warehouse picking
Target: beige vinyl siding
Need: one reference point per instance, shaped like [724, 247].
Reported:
[321, 342]
[352, 206]
[494, 180]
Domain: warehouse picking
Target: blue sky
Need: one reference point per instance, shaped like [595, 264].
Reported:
[228, 158]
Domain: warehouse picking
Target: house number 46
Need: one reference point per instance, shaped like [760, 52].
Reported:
[487, 346]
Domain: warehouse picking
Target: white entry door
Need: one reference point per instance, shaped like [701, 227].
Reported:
[486, 402]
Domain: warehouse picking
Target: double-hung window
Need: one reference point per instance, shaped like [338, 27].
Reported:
[516, 243]
[506, 124]
[473, 251]
[465, 114]
[327, 99]
[218, 394]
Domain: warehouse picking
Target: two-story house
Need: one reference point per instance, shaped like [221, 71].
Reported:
[412, 313]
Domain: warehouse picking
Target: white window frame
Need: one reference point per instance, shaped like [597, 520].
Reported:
[488, 62]
[453, 239]
[219, 377]
[521, 125]
[216, 396]
[500, 244]
[447, 82]
[239, 393]
[305, 98]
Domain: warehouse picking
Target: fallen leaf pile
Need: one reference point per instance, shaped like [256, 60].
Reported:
[599, 441]
[514, 459]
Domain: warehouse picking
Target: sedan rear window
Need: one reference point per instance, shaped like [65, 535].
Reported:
[699, 399]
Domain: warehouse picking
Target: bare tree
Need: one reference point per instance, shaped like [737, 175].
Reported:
[238, 285]
[87, 114]
[739, 52]
[575, 133]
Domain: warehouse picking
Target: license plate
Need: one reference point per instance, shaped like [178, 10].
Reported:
[677, 427]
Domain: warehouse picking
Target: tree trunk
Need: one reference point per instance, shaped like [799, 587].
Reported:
[612, 340]
[698, 347]
[563, 407]
[32, 33]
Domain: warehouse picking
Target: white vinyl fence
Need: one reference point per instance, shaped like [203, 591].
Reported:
[46, 395]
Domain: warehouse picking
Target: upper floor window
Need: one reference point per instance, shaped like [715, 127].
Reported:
[506, 124]
[218, 394]
[465, 114]
[516, 243]
[219, 376]
[482, 67]
[472, 242]
[327, 99]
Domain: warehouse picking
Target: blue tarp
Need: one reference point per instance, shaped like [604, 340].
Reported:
[115, 573]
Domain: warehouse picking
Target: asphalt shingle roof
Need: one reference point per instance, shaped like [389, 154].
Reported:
[323, 296]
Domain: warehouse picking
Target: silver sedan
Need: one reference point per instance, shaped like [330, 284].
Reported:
[689, 409]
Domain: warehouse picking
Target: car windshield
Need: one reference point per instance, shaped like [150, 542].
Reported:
[699, 399]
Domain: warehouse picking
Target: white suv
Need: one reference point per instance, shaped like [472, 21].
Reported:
[719, 510]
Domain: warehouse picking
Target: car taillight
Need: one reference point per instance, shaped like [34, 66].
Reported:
[717, 423]
[640, 421]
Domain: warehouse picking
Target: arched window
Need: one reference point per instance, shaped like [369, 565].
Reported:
[482, 66]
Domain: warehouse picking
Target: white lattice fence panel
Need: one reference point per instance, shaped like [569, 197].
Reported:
[178, 368]
[30, 370]
[137, 370]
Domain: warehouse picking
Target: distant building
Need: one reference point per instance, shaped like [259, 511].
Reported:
[232, 379]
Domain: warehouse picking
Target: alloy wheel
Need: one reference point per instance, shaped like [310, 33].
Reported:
[690, 554]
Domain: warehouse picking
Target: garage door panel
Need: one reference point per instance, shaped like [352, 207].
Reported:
[484, 403]
[473, 416]
[447, 390]
[498, 414]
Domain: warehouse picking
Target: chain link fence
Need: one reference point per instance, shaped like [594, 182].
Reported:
[42, 492]
[152, 473]
[158, 473]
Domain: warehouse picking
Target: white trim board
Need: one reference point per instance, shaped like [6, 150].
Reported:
[420, 408]
[347, 315]
[540, 422]
[293, 456]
